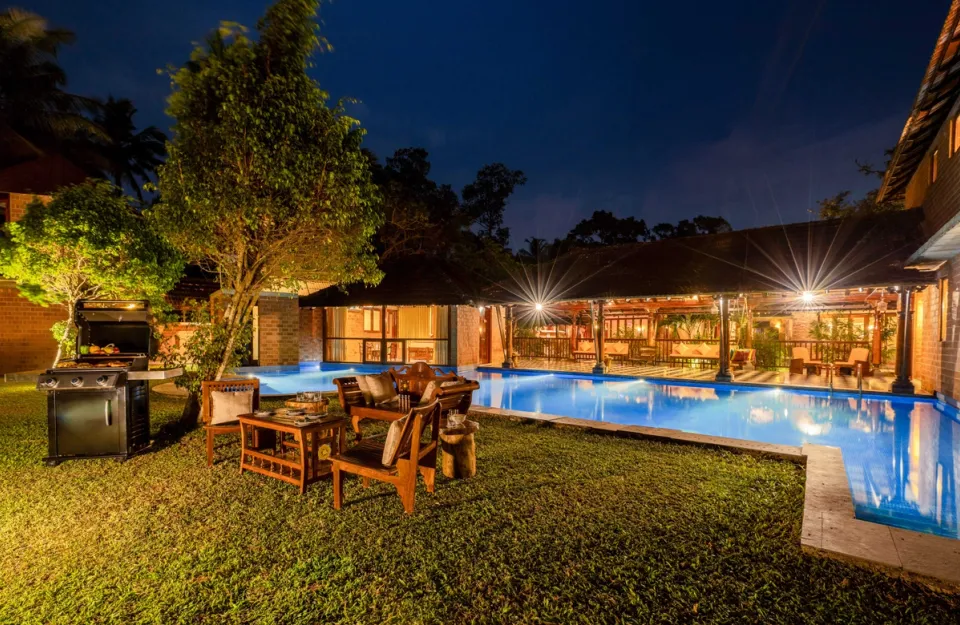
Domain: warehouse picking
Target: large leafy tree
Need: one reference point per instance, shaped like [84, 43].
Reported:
[604, 228]
[265, 184]
[842, 205]
[127, 156]
[33, 99]
[86, 242]
[420, 216]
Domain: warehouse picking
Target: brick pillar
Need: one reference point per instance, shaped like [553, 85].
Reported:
[279, 318]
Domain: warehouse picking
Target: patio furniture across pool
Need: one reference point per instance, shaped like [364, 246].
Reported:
[858, 356]
[300, 461]
[401, 463]
[802, 363]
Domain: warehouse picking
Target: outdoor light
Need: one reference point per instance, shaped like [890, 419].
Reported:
[807, 297]
[896, 288]
[860, 290]
[481, 309]
[538, 306]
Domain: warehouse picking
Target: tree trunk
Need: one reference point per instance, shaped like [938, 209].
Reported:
[66, 333]
[191, 411]
[234, 317]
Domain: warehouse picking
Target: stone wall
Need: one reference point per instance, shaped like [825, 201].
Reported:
[25, 340]
[800, 323]
[279, 329]
[311, 334]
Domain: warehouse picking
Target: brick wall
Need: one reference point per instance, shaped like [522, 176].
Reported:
[468, 335]
[800, 323]
[279, 324]
[936, 363]
[311, 334]
[25, 339]
[18, 204]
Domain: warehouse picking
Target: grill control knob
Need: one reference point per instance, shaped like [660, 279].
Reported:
[50, 382]
[102, 380]
[77, 381]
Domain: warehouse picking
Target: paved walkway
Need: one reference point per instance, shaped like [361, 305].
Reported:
[880, 382]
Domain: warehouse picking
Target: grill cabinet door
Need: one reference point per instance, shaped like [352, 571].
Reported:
[88, 423]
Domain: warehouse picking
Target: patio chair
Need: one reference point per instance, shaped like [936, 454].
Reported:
[400, 466]
[418, 375]
[743, 357]
[215, 424]
[801, 362]
[584, 351]
[858, 355]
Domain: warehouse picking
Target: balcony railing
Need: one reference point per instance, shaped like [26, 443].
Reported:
[774, 354]
[534, 347]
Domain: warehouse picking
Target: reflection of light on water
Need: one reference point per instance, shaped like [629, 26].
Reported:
[811, 429]
[761, 415]
[692, 392]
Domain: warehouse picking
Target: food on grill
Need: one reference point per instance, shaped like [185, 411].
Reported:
[67, 364]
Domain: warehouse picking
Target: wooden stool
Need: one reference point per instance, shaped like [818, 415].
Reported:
[459, 451]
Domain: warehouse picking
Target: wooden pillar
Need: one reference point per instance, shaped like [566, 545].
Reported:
[652, 330]
[902, 384]
[748, 323]
[877, 338]
[508, 339]
[724, 375]
[599, 367]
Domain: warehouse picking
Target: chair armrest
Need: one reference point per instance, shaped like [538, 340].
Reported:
[426, 449]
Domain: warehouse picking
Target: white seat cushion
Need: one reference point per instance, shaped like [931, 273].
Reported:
[227, 406]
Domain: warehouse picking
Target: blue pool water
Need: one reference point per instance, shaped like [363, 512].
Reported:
[902, 455]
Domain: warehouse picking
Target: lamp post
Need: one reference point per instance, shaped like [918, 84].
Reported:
[902, 385]
[724, 375]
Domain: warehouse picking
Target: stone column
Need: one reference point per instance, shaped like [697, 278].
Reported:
[599, 367]
[748, 329]
[508, 339]
[902, 384]
[724, 375]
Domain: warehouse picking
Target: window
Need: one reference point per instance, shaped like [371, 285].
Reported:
[954, 135]
[944, 307]
[371, 319]
[934, 165]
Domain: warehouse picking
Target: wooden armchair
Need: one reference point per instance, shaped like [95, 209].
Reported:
[858, 356]
[206, 407]
[458, 397]
[418, 375]
[349, 393]
[412, 456]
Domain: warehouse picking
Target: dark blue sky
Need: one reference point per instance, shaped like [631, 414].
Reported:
[663, 110]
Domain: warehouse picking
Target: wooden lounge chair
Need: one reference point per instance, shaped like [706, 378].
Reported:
[411, 456]
[858, 355]
[584, 351]
[616, 352]
[801, 362]
[743, 357]
[206, 408]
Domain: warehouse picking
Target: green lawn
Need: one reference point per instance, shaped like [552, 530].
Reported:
[558, 527]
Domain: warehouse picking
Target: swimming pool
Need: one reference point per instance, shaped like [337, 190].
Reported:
[902, 455]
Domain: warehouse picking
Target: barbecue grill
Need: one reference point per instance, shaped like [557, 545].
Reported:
[98, 404]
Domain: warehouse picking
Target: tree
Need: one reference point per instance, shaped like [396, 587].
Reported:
[420, 216]
[33, 101]
[700, 225]
[603, 228]
[485, 199]
[840, 205]
[265, 184]
[86, 242]
[129, 157]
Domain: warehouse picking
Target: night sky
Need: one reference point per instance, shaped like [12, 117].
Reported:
[663, 110]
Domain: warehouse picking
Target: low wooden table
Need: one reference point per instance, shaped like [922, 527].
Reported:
[304, 466]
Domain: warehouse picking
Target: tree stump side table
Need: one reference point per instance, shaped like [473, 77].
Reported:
[314, 407]
[459, 458]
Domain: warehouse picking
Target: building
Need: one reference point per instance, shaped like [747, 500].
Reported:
[924, 172]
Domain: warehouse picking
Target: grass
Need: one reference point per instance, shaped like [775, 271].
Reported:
[558, 527]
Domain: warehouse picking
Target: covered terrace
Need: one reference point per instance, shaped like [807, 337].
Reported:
[826, 303]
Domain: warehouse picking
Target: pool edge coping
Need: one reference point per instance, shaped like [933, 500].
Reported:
[829, 527]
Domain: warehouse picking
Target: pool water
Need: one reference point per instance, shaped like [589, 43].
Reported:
[902, 455]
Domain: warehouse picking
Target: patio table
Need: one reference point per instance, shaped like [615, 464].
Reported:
[305, 465]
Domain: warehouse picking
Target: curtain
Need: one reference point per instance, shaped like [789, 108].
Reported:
[336, 327]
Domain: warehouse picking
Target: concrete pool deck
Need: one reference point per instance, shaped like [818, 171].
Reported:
[829, 526]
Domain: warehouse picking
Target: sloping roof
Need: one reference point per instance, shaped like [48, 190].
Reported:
[832, 254]
[413, 281]
[938, 92]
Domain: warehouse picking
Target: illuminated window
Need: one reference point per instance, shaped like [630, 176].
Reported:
[944, 307]
[371, 319]
[954, 135]
[934, 165]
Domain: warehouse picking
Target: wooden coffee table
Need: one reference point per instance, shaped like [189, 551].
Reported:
[296, 454]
